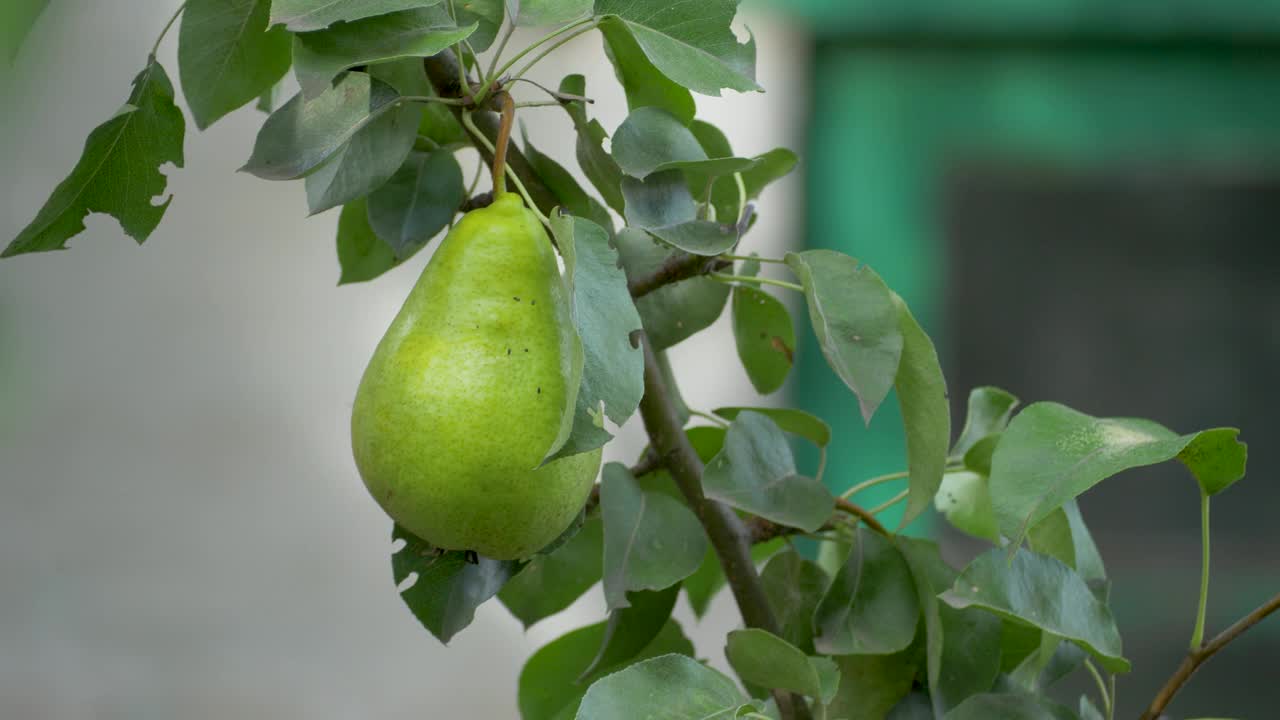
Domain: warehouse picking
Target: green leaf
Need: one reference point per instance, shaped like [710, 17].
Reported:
[16, 19]
[765, 338]
[305, 15]
[319, 56]
[671, 687]
[1061, 603]
[703, 585]
[551, 12]
[855, 320]
[550, 583]
[568, 193]
[926, 414]
[651, 540]
[549, 687]
[672, 312]
[417, 202]
[797, 422]
[596, 163]
[764, 170]
[978, 457]
[605, 319]
[487, 14]
[446, 589]
[989, 411]
[691, 43]
[962, 646]
[1051, 453]
[1008, 707]
[631, 628]
[118, 172]
[301, 135]
[227, 57]
[764, 659]
[361, 253]
[756, 472]
[794, 587]
[371, 157]
[661, 204]
[642, 82]
[871, 607]
[651, 140]
[873, 685]
[963, 498]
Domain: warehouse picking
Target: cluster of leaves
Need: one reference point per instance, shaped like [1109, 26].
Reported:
[877, 625]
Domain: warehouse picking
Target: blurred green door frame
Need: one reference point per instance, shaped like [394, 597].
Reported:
[904, 91]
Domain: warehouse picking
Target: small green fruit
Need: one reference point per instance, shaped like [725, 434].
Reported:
[465, 393]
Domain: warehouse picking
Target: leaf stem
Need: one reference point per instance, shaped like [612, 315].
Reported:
[1197, 635]
[470, 125]
[502, 45]
[433, 99]
[539, 103]
[493, 76]
[561, 96]
[727, 256]
[1102, 686]
[722, 277]
[742, 192]
[862, 514]
[890, 502]
[520, 73]
[708, 416]
[878, 480]
[165, 30]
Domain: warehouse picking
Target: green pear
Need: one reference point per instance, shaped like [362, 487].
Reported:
[466, 393]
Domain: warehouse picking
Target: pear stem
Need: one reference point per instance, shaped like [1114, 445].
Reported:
[500, 147]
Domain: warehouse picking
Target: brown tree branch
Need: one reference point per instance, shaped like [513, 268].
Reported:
[1197, 657]
[680, 266]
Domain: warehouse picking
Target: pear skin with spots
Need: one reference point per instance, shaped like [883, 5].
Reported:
[465, 394]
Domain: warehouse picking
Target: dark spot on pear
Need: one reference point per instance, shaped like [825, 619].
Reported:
[513, 297]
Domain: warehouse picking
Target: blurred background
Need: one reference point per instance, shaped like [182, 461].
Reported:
[1077, 197]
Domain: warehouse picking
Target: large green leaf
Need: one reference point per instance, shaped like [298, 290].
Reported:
[762, 658]
[227, 56]
[755, 472]
[552, 582]
[417, 202]
[301, 135]
[989, 411]
[1043, 592]
[651, 139]
[1051, 453]
[362, 255]
[596, 162]
[1063, 535]
[643, 84]
[871, 607]
[1009, 706]
[631, 628]
[794, 586]
[571, 197]
[118, 172]
[765, 337]
[651, 540]
[962, 646]
[550, 12]
[447, 589]
[662, 205]
[549, 688]
[605, 319]
[305, 15]
[371, 157]
[319, 56]
[690, 42]
[671, 687]
[855, 320]
[673, 312]
[871, 686]
[926, 414]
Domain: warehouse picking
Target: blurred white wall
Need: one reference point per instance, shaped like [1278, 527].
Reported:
[182, 530]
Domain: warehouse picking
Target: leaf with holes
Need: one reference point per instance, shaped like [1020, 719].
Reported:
[227, 57]
[447, 589]
[855, 320]
[118, 172]
[651, 540]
